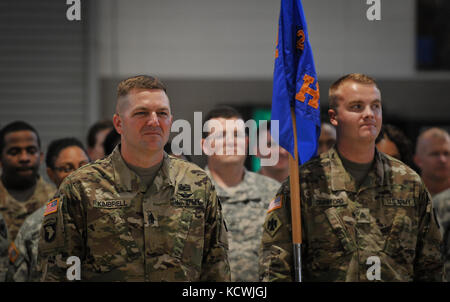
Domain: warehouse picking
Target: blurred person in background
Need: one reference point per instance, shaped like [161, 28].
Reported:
[63, 157]
[22, 189]
[279, 171]
[95, 138]
[327, 137]
[111, 141]
[433, 158]
[244, 195]
[168, 150]
[393, 142]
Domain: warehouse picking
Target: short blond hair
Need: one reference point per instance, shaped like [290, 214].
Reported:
[355, 77]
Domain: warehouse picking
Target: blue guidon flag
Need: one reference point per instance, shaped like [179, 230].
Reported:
[295, 83]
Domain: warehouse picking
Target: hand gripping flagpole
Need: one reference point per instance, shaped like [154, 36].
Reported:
[295, 205]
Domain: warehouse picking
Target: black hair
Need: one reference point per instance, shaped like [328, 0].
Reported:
[96, 128]
[400, 140]
[225, 112]
[14, 127]
[57, 146]
[111, 141]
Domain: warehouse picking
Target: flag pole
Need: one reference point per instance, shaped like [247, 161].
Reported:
[295, 204]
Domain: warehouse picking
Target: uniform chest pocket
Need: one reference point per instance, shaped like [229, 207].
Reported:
[109, 240]
[401, 241]
[169, 230]
[340, 229]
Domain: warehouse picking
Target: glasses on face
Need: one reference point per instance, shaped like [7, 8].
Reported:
[67, 168]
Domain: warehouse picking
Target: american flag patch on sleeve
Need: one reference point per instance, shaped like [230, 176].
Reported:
[275, 204]
[52, 206]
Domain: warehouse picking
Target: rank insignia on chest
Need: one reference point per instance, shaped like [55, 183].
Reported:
[362, 215]
[150, 219]
[52, 206]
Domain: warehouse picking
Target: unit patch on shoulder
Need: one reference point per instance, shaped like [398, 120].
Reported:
[273, 224]
[52, 206]
[13, 252]
[49, 231]
[275, 203]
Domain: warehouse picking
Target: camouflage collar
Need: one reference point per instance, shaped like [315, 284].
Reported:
[232, 194]
[127, 181]
[342, 180]
[42, 189]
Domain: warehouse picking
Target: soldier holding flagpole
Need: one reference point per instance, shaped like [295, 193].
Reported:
[295, 103]
[364, 216]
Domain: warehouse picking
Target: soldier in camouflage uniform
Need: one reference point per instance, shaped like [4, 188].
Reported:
[138, 214]
[433, 158]
[3, 249]
[62, 158]
[22, 190]
[441, 203]
[245, 197]
[359, 208]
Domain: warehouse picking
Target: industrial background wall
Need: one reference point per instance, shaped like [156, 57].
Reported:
[44, 68]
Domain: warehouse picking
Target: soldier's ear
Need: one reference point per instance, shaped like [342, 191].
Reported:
[117, 121]
[332, 115]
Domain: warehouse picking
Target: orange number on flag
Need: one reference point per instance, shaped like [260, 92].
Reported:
[301, 40]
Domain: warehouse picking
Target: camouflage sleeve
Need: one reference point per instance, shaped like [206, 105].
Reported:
[19, 259]
[61, 234]
[22, 252]
[215, 265]
[3, 249]
[275, 261]
[428, 264]
[443, 215]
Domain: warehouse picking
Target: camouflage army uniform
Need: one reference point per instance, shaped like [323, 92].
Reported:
[244, 207]
[441, 204]
[123, 231]
[23, 253]
[14, 211]
[4, 242]
[389, 216]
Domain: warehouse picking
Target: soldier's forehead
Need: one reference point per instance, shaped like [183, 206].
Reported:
[23, 136]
